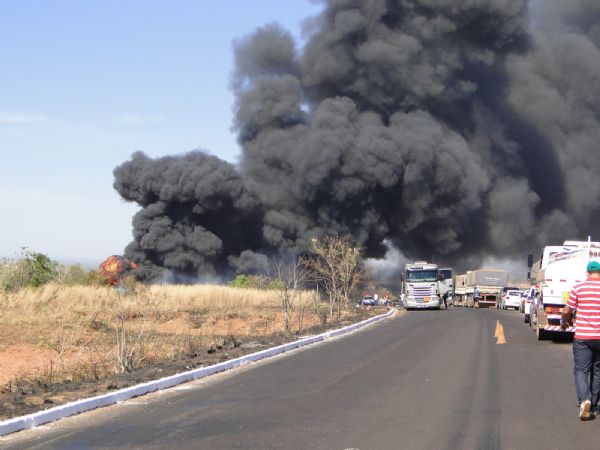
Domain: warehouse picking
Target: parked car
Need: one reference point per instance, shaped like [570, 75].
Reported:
[506, 289]
[523, 298]
[526, 300]
[511, 299]
[369, 300]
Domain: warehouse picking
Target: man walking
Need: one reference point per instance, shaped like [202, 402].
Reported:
[476, 297]
[585, 299]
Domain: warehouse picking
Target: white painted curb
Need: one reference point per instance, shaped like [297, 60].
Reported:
[87, 404]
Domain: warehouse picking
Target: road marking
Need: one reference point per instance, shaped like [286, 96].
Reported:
[500, 333]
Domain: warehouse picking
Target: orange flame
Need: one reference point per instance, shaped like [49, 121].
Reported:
[114, 267]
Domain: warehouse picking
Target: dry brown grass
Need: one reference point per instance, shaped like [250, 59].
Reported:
[82, 332]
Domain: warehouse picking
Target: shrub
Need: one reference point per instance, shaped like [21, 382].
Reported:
[41, 268]
[252, 282]
[77, 275]
[256, 282]
[241, 281]
[33, 269]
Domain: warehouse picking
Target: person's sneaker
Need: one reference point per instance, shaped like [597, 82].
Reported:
[584, 410]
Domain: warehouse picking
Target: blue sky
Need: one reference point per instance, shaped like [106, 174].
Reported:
[83, 84]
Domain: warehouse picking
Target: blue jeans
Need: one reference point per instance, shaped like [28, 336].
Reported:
[586, 356]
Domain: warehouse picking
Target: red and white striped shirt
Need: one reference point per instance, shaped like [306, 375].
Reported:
[585, 299]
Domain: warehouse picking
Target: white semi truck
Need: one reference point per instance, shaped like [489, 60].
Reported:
[421, 286]
[557, 271]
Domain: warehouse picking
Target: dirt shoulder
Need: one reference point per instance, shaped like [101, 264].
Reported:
[25, 396]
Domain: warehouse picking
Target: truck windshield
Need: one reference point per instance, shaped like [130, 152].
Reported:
[446, 273]
[421, 275]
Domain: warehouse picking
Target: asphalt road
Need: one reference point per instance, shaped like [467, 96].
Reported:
[425, 380]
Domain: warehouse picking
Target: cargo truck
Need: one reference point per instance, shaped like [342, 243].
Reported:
[555, 274]
[488, 283]
[421, 286]
[460, 290]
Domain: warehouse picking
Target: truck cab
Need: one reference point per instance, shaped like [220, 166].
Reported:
[447, 283]
[421, 286]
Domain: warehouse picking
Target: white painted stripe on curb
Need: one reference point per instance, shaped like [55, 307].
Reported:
[88, 404]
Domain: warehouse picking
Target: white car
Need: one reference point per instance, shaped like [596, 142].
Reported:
[512, 299]
[526, 304]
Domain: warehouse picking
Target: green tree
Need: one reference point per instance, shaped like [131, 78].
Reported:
[32, 269]
[41, 268]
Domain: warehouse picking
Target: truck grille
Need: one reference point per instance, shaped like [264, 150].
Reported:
[419, 292]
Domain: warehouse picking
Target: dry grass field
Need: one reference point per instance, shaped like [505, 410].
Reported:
[59, 331]
[58, 336]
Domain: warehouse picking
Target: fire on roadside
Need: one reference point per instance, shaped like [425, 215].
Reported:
[115, 267]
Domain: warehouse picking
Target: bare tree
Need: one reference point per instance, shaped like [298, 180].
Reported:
[335, 264]
[290, 276]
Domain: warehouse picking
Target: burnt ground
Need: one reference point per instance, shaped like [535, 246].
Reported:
[26, 397]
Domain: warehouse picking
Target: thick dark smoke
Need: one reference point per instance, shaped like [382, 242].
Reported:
[452, 129]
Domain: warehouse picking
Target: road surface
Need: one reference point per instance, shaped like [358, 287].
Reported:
[425, 380]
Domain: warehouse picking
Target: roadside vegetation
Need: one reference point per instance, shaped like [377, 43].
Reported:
[62, 326]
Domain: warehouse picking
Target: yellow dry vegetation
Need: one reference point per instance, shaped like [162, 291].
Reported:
[59, 331]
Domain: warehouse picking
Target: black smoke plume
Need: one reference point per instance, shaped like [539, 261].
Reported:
[453, 129]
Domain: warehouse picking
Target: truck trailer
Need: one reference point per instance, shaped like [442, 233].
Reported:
[460, 290]
[557, 271]
[489, 284]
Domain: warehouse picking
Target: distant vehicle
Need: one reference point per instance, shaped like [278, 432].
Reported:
[460, 290]
[526, 300]
[369, 300]
[489, 283]
[421, 286]
[511, 299]
[506, 289]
